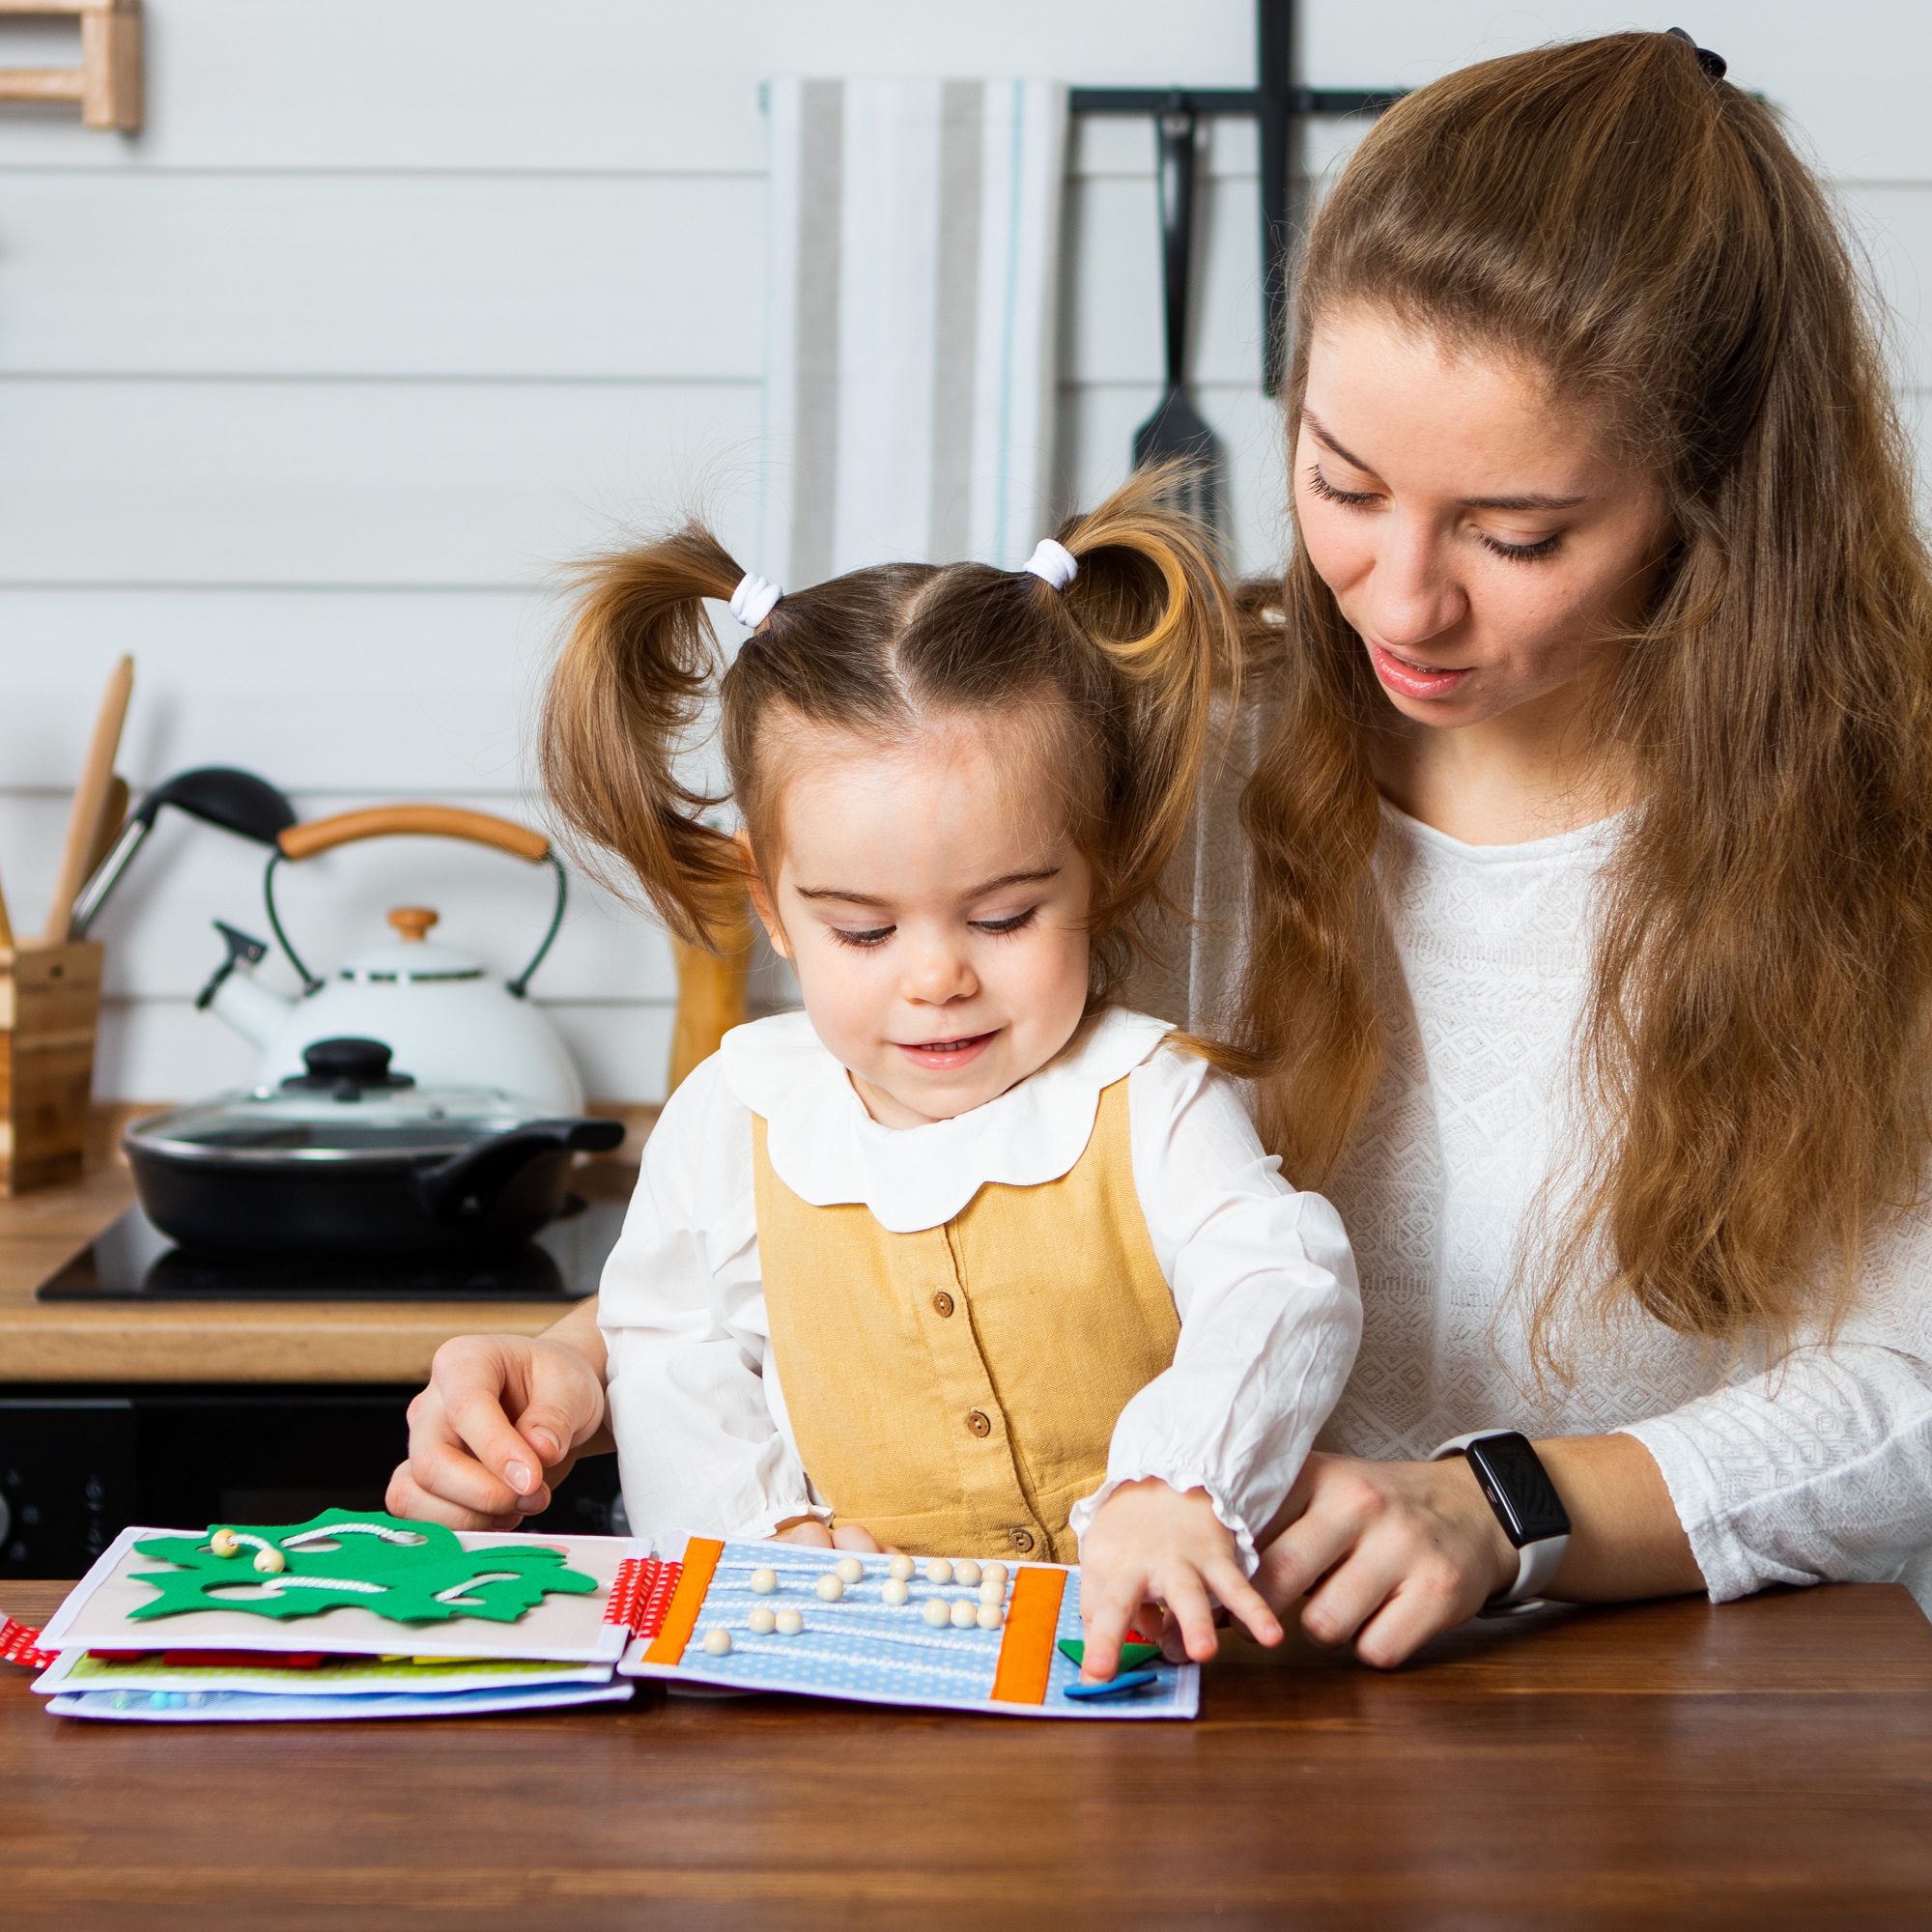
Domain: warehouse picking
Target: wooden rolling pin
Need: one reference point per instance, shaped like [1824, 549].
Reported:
[89, 801]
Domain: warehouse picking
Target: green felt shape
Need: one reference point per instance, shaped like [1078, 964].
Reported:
[1132, 1655]
[407, 1572]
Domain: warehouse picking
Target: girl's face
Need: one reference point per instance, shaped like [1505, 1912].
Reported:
[936, 909]
[1476, 533]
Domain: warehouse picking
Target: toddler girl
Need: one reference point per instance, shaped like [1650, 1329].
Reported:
[963, 1258]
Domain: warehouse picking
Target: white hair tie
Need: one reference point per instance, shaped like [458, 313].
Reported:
[1053, 563]
[752, 601]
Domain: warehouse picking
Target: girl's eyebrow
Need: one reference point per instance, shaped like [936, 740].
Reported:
[1532, 501]
[1032, 879]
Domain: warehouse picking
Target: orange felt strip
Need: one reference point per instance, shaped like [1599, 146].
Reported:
[1026, 1651]
[700, 1561]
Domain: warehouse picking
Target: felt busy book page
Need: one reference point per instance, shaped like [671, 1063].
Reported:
[348, 1583]
[934, 1633]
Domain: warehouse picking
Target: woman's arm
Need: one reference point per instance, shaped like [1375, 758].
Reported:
[501, 1423]
[1392, 1554]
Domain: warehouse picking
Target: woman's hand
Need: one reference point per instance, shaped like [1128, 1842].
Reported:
[816, 1535]
[1152, 1549]
[500, 1423]
[1388, 1554]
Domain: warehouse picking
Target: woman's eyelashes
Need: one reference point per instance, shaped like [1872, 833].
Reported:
[1362, 499]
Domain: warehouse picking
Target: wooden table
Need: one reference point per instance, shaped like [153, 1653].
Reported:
[1767, 1764]
[229, 1341]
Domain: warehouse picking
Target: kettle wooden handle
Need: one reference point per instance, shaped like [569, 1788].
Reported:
[426, 821]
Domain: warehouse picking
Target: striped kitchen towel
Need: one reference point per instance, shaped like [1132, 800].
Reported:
[910, 364]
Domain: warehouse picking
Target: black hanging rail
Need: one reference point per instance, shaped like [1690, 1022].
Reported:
[1277, 103]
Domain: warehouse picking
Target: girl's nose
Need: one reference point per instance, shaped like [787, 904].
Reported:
[1413, 595]
[939, 974]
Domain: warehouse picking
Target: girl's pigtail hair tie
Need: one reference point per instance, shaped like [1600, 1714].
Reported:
[1053, 563]
[755, 600]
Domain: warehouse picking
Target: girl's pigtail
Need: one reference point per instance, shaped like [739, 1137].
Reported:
[1151, 598]
[630, 688]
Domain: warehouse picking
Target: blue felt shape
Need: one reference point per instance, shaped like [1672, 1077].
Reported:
[1114, 1687]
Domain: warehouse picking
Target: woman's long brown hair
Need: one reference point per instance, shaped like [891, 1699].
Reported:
[1754, 1056]
[1115, 679]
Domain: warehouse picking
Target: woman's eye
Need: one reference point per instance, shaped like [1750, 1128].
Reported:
[1520, 553]
[871, 935]
[1356, 498]
[1015, 923]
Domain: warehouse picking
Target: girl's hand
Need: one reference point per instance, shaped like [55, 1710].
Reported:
[1388, 1554]
[808, 1530]
[500, 1423]
[1150, 1549]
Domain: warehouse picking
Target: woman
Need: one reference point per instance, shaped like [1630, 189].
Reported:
[1590, 942]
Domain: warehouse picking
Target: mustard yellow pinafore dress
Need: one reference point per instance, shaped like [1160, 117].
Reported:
[956, 1390]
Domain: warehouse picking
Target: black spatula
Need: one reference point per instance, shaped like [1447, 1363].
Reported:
[1175, 432]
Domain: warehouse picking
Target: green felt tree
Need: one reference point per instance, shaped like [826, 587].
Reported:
[413, 1573]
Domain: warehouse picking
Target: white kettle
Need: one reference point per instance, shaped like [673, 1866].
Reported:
[443, 1019]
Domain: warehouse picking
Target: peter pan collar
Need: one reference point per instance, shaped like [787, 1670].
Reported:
[829, 1150]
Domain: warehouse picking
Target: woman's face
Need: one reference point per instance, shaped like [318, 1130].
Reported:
[1474, 531]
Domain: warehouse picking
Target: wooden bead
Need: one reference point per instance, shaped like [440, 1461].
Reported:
[789, 1623]
[939, 1570]
[831, 1588]
[760, 1622]
[965, 1614]
[270, 1562]
[764, 1582]
[850, 1570]
[993, 1573]
[895, 1590]
[936, 1613]
[718, 1643]
[967, 1573]
[990, 1616]
[993, 1590]
[225, 1543]
[902, 1569]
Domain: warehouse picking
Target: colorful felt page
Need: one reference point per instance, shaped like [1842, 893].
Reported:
[113, 1608]
[77, 1670]
[862, 1647]
[238, 1707]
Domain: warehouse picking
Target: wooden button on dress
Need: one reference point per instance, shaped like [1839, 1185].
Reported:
[977, 1421]
[943, 1302]
[1022, 1539]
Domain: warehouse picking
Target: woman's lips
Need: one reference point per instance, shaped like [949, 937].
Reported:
[943, 1056]
[1413, 680]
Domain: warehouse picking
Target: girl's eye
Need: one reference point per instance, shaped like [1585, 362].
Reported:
[871, 935]
[1356, 500]
[1520, 553]
[1017, 923]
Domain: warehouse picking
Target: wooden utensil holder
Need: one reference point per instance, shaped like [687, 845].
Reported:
[49, 1009]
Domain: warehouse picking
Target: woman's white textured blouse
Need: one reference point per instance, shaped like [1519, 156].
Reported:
[1261, 1275]
[1820, 1468]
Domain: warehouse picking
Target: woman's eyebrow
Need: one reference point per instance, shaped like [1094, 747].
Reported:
[1531, 500]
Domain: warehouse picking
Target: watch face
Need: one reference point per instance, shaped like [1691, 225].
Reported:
[1518, 1488]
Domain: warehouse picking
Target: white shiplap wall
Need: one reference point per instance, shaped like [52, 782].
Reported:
[307, 393]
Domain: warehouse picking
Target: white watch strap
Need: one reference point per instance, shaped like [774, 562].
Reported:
[1536, 1563]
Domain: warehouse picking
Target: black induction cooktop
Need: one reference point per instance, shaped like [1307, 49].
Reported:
[133, 1261]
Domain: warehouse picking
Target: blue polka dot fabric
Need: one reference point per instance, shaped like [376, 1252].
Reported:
[864, 1648]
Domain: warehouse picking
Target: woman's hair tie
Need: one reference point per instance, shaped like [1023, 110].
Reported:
[1712, 64]
[1053, 563]
[752, 601]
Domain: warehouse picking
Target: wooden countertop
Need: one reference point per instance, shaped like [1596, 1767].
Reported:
[1763, 1764]
[225, 1342]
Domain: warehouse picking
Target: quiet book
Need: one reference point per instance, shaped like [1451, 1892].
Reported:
[356, 1615]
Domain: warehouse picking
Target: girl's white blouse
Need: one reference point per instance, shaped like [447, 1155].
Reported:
[1261, 1275]
[1818, 1467]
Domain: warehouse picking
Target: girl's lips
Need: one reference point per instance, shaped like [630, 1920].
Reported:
[1413, 680]
[943, 1056]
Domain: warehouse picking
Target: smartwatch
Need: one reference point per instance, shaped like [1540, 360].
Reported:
[1526, 1504]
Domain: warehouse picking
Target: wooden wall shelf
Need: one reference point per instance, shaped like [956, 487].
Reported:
[108, 83]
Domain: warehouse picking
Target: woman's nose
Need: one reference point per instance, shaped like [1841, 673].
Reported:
[1413, 596]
